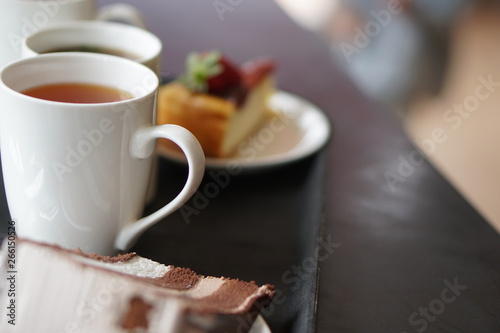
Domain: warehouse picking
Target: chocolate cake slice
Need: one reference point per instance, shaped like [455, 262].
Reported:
[58, 290]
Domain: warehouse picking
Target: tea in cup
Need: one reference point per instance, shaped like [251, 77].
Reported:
[76, 170]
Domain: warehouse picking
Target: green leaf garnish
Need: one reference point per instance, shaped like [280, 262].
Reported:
[200, 68]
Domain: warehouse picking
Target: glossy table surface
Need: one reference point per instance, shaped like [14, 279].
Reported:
[401, 250]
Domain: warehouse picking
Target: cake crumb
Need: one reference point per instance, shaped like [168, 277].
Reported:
[136, 317]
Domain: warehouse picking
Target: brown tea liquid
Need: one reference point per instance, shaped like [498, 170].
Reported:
[78, 93]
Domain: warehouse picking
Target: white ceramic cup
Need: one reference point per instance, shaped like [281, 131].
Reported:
[77, 174]
[142, 44]
[20, 18]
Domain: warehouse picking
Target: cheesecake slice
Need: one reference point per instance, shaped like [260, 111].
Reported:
[58, 290]
[221, 110]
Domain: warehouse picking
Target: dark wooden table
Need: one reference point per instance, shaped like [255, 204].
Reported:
[399, 249]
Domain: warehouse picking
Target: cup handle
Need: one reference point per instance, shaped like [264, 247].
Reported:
[121, 12]
[142, 146]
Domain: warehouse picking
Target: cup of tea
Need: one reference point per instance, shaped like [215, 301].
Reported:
[97, 37]
[77, 135]
[20, 18]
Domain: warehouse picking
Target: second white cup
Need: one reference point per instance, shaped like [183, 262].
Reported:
[99, 37]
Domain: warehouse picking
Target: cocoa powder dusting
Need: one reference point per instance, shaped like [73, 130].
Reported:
[177, 278]
[107, 259]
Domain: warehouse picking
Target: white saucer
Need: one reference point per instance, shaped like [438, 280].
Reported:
[295, 129]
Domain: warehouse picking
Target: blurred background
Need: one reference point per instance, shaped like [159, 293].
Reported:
[436, 65]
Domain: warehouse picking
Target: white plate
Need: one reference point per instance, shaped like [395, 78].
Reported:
[296, 129]
[260, 326]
